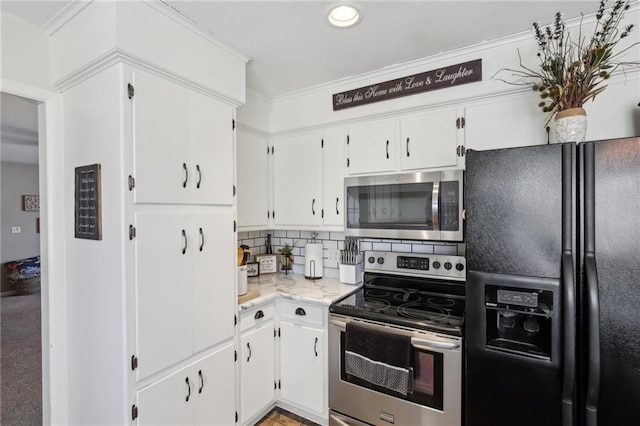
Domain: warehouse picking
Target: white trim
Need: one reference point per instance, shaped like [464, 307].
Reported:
[188, 23]
[250, 129]
[117, 55]
[54, 358]
[64, 15]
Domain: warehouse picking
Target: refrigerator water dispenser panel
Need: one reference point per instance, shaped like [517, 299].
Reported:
[519, 321]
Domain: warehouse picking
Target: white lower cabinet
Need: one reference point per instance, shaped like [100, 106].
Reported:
[200, 394]
[257, 362]
[302, 366]
[303, 369]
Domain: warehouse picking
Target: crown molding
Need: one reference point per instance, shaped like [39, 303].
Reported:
[116, 55]
[251, 129]
[64, 15]
[76, 6]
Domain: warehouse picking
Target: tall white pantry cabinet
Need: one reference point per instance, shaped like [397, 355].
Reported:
[179, 234]
[150, 308]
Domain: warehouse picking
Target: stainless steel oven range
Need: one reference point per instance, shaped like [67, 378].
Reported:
[395, 345]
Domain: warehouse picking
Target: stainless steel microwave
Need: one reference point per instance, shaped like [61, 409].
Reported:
[416, 206]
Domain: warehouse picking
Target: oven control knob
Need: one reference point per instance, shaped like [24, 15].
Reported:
[381, 260]
[371, 259]
[447, 265]
[459, 266]
[436, 265]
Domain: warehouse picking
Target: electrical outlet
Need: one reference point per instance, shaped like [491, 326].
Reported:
[16, 230]
[333, 257]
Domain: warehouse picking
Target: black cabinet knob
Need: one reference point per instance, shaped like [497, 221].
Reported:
[259, 315]
[300, 311]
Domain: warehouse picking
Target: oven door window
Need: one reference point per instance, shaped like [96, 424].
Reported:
[427, 387]
[394, 206]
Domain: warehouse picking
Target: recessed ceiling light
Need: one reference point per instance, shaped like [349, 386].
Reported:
[344, 14]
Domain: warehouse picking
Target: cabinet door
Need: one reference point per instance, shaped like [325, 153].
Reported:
[333, 172]
[164, 279]
[161, 141]
[214, 296]
[429, 140]
[253, 179]
[302, 366]
[211, 151]
[257, 370]
[505, 122]
[372, 148]
[165, 401]
[214, 390]
[297, 180]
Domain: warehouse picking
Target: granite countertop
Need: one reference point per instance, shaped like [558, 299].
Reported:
[295, 287]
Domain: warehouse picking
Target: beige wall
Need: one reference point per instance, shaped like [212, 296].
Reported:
[17, 180]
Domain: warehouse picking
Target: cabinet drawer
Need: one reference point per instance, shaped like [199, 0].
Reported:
[302, 312]
[256, 317]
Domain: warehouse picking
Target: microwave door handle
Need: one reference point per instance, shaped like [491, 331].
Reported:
[435, 214]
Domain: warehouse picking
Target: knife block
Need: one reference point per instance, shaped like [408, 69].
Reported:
[352, 274]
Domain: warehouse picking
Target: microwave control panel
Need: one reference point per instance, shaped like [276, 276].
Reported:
[449, 212]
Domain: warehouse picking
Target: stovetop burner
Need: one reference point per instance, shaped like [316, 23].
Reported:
[411, 307]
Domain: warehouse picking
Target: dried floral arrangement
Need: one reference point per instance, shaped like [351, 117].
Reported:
[573, 71]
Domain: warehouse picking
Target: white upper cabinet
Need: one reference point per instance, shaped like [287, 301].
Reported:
[297, 172]
[333, 173]
[372, 148]
[429, 140]
[183, 145]
[505, 122]
[253, 180]
[211, 151]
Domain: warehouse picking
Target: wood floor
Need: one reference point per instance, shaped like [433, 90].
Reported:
[281, 417]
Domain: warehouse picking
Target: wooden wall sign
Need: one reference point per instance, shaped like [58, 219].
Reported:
[88, 206]
[454, 75]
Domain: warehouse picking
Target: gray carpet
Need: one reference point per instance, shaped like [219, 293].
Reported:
[21, 361]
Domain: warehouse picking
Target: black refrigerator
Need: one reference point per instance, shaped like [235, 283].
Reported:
[552, 324]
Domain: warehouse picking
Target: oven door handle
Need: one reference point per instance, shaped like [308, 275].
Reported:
[427, 344]
[416, 342]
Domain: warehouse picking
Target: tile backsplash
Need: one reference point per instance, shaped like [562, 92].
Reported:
[256, 240]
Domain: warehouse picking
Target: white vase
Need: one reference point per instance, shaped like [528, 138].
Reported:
[571, 125]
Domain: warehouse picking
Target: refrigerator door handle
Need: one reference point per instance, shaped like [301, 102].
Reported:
[569, 337]
[593, 333]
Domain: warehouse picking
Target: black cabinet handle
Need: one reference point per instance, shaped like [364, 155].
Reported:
[300, 311]
[184, 235]
[186, 175]
[315, 347]
[313, 206]
[387, 150]
[259, 315]
[202, 381]
[189, 389]
[249, 347]
[407, 147]
[201, 239]
[199, 176]
[337, 200]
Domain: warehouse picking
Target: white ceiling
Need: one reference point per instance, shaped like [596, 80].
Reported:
[293, 48]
